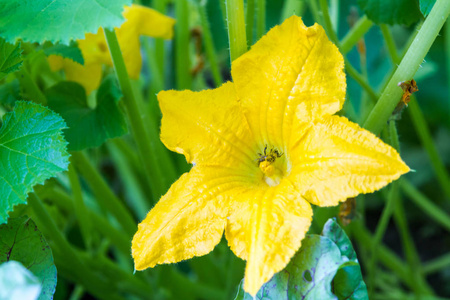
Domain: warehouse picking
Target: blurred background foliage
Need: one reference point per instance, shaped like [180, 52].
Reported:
[413, 258]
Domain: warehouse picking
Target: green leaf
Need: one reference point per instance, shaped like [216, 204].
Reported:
[10, 58]
[32, 149]
[71, 52]
[88, 127]
[391, 12]
[324, 268]
[348, 282]
[57, 20]
[20, 240]
[426, 6]
[17, 283]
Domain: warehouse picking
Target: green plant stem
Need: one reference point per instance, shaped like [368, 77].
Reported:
[423, 131]
[381, 229]
[390, 44]
[182, 35]
[447, 51]
[104, 195]
[327, 22]
[160, 5]
[209, 45]
[360, 80]
[156, 177]
[71, 258]
[260, 18]
[64, 202]
[139, 205]
[412, 257]
[408, 67]
[436, 264]
[250, 21]
[292, 7]
[315, 11]
[122, 280]
[385, 255]
[80, 208]
[427, 206]
[236, 28]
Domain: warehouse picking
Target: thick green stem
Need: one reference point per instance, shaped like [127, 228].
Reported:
[236, 28]
[390, 44]
[103, 194]
[209, 45]
[260, 18]
[427, 206]
[315, 12]
[327, 22]
[423, 131]
[182, 35]
[156, 178]
[292, 7]
[250, 21]
[408, 67]
[80, 208]
[355, 34]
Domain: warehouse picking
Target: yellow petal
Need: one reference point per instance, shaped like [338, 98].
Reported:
[334, 159]
[147, 21]
[89, 75]
[265, 227]
[291, 64]
[141, 20]
[188, 221]
[207, 127]
[95, 48]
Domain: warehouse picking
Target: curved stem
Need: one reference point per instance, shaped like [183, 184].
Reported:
[261, 18]
[236, 28]
[408, 67]
[156, 177]
[355, 34]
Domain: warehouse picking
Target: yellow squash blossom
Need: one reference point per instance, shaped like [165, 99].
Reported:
[140, 20]
[264, 148]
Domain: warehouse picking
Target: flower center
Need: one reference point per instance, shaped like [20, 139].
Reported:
[269, 163]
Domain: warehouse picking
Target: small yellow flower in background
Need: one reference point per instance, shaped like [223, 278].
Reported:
[264, 148]
[140, 20]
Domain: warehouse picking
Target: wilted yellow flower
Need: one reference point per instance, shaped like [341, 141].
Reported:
[263, 148]
[140, 20]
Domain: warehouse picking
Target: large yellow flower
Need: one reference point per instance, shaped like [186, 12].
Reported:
[140, 20]
[263, 148]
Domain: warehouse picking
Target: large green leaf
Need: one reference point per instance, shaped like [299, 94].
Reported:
[18, 283]
[32, 149]
[57, 20]
[71, 52]
[10, 57]
[88, 127]
[20, 240]
[391, 12]
[324, 268]
[348, 282]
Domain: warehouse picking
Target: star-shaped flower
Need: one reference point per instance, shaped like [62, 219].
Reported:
[140, 20]
[263, 148]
